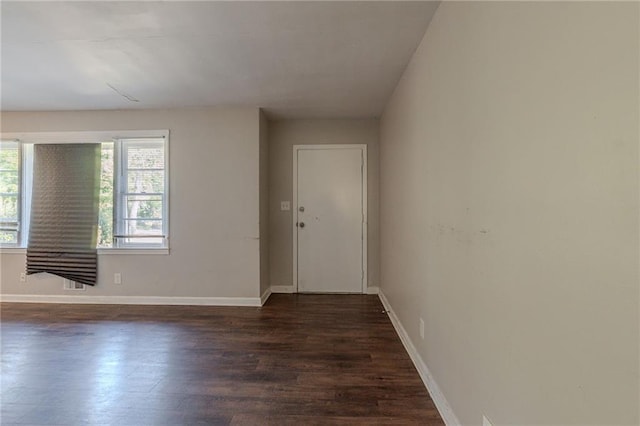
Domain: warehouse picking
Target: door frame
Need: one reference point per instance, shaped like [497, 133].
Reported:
[294, 207]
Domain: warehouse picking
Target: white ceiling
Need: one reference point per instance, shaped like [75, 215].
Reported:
[295, 59]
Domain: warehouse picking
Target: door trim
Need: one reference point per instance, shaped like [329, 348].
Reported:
[294, 207]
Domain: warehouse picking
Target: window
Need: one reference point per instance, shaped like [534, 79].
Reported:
[133, 197]
[140, 201]
[10, 184]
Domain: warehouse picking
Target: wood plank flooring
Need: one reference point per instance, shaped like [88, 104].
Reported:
[298, 360]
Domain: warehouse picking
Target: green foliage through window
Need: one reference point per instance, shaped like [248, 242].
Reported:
[105, 218]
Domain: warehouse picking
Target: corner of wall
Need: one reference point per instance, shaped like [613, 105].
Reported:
[263, 176]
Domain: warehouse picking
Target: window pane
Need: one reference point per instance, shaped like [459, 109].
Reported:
[8, 237]
[144, 207]
[143, 228]
[9, 181]
[9, 192]
[9, 208]
[105, 217]
[9, 156]
[144, 241]
[145, 181]
[149, 155]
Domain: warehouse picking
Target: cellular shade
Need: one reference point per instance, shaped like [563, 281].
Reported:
[64, 211]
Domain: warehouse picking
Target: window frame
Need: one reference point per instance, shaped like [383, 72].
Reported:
[28, 139]
[121, 190]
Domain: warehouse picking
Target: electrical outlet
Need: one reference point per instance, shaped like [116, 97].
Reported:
[23, 277]
[117, 278]
[485, 421]
[422, 328]
[285, 206]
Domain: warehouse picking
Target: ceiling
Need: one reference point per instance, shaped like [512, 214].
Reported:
[295, 59]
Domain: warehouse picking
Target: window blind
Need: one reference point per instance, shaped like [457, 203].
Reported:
[64, 211]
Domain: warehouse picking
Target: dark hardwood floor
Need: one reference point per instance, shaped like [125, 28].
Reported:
[299, 360]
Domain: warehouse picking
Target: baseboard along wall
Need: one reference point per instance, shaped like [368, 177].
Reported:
[134, 300]
[265, 296]
[437, 396]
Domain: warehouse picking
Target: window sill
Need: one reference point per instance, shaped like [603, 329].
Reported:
[12, 250]
[102, 251]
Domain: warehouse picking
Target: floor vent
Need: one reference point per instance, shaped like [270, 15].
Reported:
[72, 285]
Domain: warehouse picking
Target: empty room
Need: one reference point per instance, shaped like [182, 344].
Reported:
[320, 213]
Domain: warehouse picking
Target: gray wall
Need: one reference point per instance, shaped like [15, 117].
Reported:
[214, 208]
[283, 134]
[509, 210]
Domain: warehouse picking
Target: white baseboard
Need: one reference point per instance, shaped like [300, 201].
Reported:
[265, 296]
[133, 300]
[291, 289]
[437, 396]
[282, 289]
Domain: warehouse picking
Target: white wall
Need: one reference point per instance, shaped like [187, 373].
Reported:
[214, 206]
[509, 210]
[283, 134]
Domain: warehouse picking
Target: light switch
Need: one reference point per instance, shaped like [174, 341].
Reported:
[285, 206]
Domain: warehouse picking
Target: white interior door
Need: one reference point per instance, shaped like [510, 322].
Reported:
[330, 218]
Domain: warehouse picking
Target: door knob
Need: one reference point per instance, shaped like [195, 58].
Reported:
[301, 208]
[301, 225]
